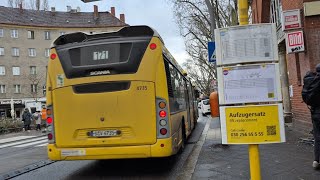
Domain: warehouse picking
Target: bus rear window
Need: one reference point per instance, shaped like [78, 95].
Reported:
[97, 57]
[100, 54]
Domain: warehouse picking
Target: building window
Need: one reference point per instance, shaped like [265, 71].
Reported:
[32, 52]
[1, 51]
[276, 12]
[33, 88]
[47, 52]
[47, 35]
[33, 70]
[15, 51]
[14, 33]
[30, 34]
[1, 32]
[17, 88]
[2, 70]
[2, 89]
[62, 33]
[16, 71]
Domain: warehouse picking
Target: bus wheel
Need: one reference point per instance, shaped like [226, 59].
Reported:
[184, 137]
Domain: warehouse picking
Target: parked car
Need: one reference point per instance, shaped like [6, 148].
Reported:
[205, 107]
[199, 105]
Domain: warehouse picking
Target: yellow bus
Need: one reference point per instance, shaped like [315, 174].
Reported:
[116, 95]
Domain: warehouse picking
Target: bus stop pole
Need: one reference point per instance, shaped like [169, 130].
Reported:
[253, 148]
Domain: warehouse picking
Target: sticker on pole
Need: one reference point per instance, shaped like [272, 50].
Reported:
[256, 124]
[294, 42]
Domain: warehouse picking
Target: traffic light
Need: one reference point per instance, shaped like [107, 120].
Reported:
[86, 1]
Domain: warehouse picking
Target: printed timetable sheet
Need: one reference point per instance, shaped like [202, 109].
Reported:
[251, 83]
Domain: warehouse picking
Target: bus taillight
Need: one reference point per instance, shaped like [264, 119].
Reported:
[163, 123]
[163, 131]
[162, 105]
[50, 136]
[162, 114]
[49, 120]
[53, 56]
[153, 46]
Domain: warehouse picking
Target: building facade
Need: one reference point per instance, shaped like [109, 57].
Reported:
[296, 63]
[25, 40]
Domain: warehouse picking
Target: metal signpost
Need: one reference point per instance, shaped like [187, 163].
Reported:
[249, 86]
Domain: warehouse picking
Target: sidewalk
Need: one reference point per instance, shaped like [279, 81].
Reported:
[287, 161]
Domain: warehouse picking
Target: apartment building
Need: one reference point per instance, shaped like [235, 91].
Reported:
[25, 40]
[298, 25]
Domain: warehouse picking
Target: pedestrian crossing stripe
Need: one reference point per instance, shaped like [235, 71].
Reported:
[32, 143]
[17, 138]
[42, 145]
[33, 140]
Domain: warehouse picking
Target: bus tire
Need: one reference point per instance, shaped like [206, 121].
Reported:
[184, 137]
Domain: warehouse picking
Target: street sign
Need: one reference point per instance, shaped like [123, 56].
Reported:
[212, 51]
[246, 44]
[256, 124]
[291, 19]
[249, 84]
[294, 42]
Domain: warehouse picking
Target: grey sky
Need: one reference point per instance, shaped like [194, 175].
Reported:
[155, 13]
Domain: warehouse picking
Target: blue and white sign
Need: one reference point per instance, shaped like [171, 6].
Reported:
[212, 51]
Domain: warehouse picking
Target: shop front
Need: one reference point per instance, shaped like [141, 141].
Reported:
[6, 106]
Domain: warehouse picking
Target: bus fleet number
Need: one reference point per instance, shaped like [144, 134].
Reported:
[142, 88]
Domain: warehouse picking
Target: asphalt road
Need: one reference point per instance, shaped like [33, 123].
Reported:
[163, 168]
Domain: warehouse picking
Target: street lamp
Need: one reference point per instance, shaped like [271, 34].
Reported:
[86, 1]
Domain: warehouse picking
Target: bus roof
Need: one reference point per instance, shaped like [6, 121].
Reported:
[130, 31]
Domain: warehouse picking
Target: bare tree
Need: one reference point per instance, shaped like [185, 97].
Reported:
[45, 5]
[197, 19]
[32, 4]
[36, 80]
[11, 3]
[38, 4]
[18, 2]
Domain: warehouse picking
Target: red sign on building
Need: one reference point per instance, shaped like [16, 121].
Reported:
[291, 19]
[294, 42]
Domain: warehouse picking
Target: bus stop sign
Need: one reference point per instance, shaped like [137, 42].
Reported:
[212, 51]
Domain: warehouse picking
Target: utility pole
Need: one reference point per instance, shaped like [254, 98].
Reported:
[253, 148]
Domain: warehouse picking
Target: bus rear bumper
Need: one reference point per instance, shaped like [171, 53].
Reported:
[162, 148]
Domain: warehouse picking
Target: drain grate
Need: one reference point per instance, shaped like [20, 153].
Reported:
[25, 169]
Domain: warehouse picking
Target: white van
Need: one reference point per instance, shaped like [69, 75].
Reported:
[205, 107]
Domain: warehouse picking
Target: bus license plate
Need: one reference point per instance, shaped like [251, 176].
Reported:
[105, 133]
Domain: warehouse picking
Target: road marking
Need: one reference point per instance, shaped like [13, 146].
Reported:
[32, 143]
[42, 145]
[188, 168]
[22, 142]
[14, 139]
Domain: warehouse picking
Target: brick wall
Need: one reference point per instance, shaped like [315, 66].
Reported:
[307, 61]
[297, 64]
[292, 4]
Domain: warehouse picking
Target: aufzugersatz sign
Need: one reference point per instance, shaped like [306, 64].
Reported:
[294, 42]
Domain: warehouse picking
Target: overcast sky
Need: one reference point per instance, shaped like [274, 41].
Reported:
[155, 13]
